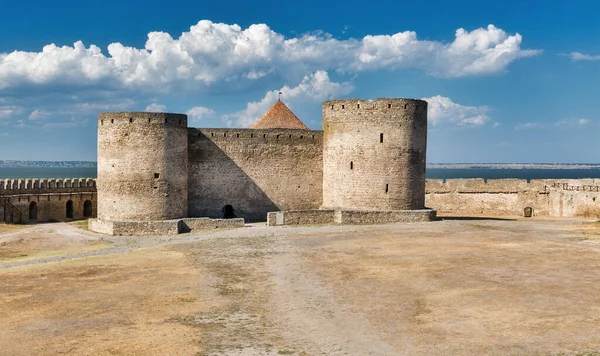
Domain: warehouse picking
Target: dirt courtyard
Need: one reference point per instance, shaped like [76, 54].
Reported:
[452, 287]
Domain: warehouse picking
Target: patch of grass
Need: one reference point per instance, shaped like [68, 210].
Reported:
[82, 224]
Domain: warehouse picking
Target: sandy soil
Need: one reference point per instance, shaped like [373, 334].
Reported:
[454, 287]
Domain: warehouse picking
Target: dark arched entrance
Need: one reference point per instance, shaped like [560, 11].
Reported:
[70, 209]
[87, 209]
[528, 212]
[228, 212]
[33, 211]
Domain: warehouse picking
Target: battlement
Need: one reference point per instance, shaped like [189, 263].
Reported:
[504, 185]
[142, 118]
[258, 135]
[379, 104]
[46, 185]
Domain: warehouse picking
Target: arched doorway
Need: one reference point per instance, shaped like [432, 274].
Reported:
[87, 209]
[228, 212]
[33, 210]
[528, 212]
[70, 209]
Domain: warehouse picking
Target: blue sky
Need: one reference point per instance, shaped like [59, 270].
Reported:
[511, 81]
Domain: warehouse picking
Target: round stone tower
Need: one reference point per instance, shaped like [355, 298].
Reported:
[374, 154]
[142, 166]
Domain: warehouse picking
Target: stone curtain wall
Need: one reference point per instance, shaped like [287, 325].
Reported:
[46, 185]
[50, 197]
[254, 171]
[512, 196]
[374, 154]
[142, 166]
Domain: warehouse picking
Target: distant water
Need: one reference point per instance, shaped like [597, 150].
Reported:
[45, 172]
[525, 173]
[432, 173]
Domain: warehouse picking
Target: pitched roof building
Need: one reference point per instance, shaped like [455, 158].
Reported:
[279, 116]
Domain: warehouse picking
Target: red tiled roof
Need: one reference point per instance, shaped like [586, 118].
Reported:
[279, 116]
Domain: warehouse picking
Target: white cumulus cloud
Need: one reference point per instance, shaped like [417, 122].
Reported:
[212, 53]
[442, 110]
[198, 113]
[155, 107]
[315, 87]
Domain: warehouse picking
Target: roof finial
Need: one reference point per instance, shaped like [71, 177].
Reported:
[280, 96]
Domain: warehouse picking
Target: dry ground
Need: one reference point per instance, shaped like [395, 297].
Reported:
[454, 287]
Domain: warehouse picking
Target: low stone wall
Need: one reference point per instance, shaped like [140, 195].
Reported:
[300, 217]
[160, 227]
[348, 217]
[192, 224]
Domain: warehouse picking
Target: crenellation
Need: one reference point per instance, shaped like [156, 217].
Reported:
[128, 119]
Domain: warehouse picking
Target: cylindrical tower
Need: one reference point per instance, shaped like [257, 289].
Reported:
[374, 154]
[142, 166]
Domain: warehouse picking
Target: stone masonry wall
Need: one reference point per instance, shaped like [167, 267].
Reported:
[142, 166]
[512, 196]
[255, 171]
[40, 200]
[374, 154]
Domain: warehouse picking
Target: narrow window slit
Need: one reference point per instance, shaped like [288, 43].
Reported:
[386, 188]
[351, 165]
[380, 138]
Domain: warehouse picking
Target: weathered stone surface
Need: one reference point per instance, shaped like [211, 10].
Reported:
[142, 166]
[41, 200]
[300, 217]
[348, 217]
[512, 196]
[254, 171]
[160, 227]
[374, 154]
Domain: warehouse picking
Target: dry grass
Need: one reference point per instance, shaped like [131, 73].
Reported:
[4, 228]
[82, 224]
[459, 287]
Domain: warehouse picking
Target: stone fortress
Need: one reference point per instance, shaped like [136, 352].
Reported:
[156, 175]
[367, 165]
